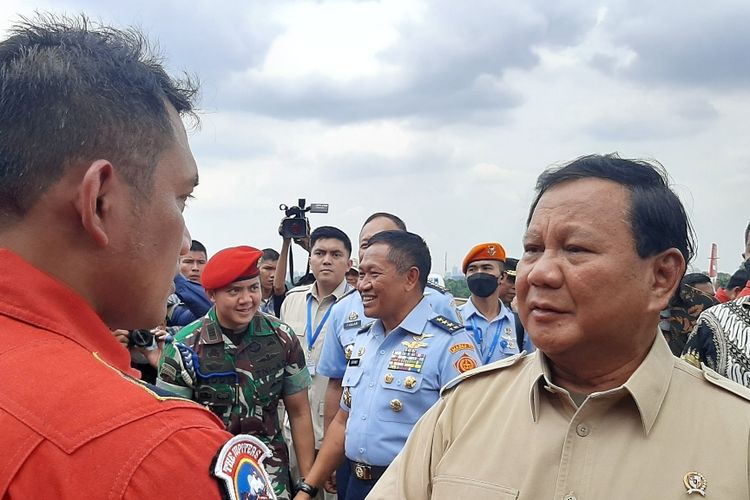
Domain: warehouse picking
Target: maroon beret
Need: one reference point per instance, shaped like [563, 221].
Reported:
[230, 265]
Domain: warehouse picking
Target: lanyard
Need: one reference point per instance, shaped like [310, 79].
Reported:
[495, 339]
[311, 338]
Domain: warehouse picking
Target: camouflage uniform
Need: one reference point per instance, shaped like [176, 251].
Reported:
[678, 320]
[269, 364]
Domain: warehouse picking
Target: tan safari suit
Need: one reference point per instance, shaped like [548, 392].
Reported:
[506, 432]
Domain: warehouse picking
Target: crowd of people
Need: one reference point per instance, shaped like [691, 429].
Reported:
[560, 375]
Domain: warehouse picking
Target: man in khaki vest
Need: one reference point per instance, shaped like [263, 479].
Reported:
[602, 409]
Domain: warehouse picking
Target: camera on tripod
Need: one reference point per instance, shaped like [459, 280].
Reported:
[295, 225]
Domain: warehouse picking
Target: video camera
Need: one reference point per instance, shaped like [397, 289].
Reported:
[295, 225]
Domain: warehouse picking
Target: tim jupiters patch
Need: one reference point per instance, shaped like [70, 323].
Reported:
[238, 468]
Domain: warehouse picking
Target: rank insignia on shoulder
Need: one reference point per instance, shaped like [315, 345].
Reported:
[239, 469]
[437, 287]
[445, 324]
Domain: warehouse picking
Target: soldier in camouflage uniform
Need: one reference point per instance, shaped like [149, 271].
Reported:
[241, 362]
[679, 318]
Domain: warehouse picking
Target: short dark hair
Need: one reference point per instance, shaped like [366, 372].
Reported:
[197, 246]
[270, 254]
[385, 215]
[657, 217]
[693, 279]
[73, 92]
[330, 232]
[406, 250]
[738, 279]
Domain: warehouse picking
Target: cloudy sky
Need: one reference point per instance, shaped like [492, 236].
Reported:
[445, 112]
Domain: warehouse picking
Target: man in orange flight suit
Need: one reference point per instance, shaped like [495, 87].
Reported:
[95, 170]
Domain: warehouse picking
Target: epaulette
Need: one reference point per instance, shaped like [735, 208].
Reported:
[445, 324]
[366, 328]
[725, 383]
[437, 287]
[497, 365]
[346, 294]
[300, 288]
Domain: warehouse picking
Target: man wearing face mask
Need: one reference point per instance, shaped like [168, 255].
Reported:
[486, 318]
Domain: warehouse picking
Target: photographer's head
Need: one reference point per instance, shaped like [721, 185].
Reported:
[232, 281]
[330, 252]
[95, 163]
[393, 275]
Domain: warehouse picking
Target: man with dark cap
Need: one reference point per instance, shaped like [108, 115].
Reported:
[486, 318]
[506, 290]
[241, 362]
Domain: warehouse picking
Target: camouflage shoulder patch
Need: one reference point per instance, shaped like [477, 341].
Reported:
[445, 324]
[497, 365]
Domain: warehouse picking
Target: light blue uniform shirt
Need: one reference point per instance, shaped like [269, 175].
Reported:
[391, 381]
[496, 337]
[348, 316]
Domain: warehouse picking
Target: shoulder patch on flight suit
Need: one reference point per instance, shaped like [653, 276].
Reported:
[365, 328]
[346, 294]
[437, 287]
[497, 365]
[725, 383]
[445, 324]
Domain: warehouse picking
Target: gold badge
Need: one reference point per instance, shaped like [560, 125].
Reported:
[410, 382]
[347, 397]
[360, 352]
[388, 378]
[348, 351]
[465, 363]
[396, 405]
[695, 483]
[353, 316]
[491, 250]
[415, 344]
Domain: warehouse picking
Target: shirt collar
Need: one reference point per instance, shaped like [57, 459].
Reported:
[34, 297]
[647, 385]
[470, 309]
[413, 323]
[340, 290]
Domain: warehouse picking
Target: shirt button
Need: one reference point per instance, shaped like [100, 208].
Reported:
[382, 352]
[364, 417]
[361, 450]
[570, 496]
[371, 384]
[582, 430]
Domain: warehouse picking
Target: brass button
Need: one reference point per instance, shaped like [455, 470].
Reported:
[396, 405]
[410, 382]
[388, 378]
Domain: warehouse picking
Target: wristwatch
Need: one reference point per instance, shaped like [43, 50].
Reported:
[307, 488]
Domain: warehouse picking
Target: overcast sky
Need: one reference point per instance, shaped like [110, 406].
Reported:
[445, 112]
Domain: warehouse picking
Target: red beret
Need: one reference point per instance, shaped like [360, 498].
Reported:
[483, 251]
[229, 265]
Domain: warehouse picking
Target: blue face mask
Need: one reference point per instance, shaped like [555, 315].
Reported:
[482, 284]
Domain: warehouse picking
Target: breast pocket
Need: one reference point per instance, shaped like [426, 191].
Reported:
[401, 399]
[450, 487]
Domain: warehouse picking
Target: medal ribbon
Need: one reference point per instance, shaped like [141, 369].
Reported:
[311, 338]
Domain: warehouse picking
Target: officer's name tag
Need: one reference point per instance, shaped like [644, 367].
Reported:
[353, 324]
[354, 362]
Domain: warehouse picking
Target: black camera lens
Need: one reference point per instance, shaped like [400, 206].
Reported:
[141, 338]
